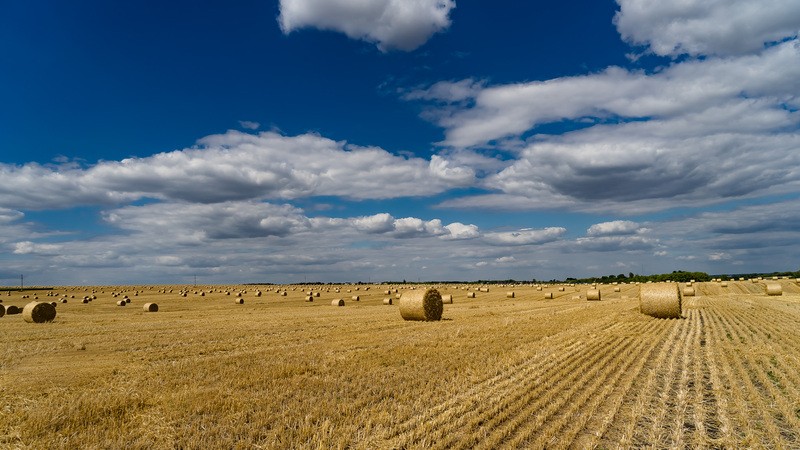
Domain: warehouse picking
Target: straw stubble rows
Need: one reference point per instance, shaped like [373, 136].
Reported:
[497, 372]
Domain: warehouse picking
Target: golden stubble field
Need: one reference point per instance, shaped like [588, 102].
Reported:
[281, 372]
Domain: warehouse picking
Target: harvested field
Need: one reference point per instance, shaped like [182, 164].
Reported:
[496, 372]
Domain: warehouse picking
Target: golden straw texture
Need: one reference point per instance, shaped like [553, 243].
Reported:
[662, 300]
[150, 307]
[593, 294]
[774, 289]
[421, 305]
[36, 312]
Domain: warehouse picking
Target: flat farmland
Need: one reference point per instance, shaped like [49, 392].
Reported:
[282, 372]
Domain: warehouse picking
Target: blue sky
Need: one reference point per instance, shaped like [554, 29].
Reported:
[344, 140]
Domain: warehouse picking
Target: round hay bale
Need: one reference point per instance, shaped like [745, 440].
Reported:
[337, 302]
[593, 294]
[284, 294]
[238, 301]
[548, 295]
[616, 289]
[63, 300]
[724, 284]
[11, 310]
[447, 299]
[660, 300]
[421, 305]
[355, 298]
[774, 289]
[561, 289]
[150, 307]
[121, 303]
[510, 294]
[2, 310]
[310, 298]
[85, 300]
[688, 292]
[387, 301]
[470, 295]
[36, 312]
[258, 293]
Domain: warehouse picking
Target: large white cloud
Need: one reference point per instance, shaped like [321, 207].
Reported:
[706, 27]
[234, 166]
[390, 24]
[766, 82]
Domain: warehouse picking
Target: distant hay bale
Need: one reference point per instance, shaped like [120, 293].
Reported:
[548, 295]
[387, 292]
[238, 301]
[11, 310]
[355, 298]
[337, 302]
[774, 289]
[724, 284]
[470, 295]
[484, 289]
[63, 300]
[127, 300]
[660, 300]
[510, 294]
[421, 305]
[85, 300]
[150, 307]
[36, 312]
[593, 294]
[387, 301]
[448, 298]
[316, 294]
[309, 298]
[121, 303]
[561, 289]
[616, 289]
[688, 292]
[258, 293]
[284, 294]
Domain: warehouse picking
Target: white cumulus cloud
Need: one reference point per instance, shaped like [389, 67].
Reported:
[706, 27]
[390, 24]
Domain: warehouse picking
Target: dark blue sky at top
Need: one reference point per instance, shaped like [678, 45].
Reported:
[97, 80]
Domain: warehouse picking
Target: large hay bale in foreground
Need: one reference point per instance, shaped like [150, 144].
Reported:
[150, 307]
[421, 305]
[2, 310]
[593, 294]
[660, 300]
[36, 312]
[774, 289]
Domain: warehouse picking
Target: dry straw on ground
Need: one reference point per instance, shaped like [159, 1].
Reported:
[36, 312]
[150, 307]
[774, 289]
[421, 305]
[662, 300]
[593, 294]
